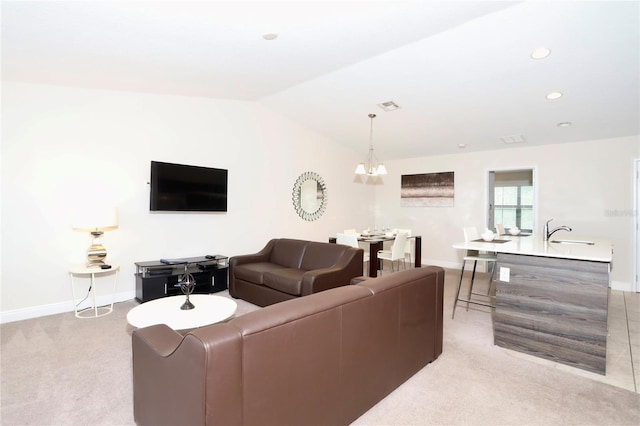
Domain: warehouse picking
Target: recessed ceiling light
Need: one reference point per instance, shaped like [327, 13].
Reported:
[270, 36]
[540, 53]
[565, 124]
[554, 95]
[389, 106]
[462, 145]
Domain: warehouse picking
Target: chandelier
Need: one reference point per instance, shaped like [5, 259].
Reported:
[371, 167]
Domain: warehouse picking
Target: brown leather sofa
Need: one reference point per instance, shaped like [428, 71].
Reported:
[323, 359]
[285, 269]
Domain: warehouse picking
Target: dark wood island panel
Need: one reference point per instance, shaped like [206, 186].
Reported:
[553, 308]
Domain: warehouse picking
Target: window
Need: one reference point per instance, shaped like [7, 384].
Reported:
[512, 202]
[513, 206]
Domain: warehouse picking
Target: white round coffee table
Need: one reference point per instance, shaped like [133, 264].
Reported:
[166, 310]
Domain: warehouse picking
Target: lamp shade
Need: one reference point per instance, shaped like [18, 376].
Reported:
[95, 218]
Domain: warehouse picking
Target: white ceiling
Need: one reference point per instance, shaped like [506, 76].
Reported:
[460, 71]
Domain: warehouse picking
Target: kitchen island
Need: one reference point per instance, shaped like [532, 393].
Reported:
[552, 298]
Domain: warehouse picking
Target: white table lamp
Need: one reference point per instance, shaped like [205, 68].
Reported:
[96, 221]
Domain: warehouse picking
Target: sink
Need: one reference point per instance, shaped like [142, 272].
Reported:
[586, 243]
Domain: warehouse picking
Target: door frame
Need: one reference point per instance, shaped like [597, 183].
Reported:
[635, 285]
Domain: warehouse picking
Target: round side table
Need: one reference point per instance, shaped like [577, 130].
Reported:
[94, 310]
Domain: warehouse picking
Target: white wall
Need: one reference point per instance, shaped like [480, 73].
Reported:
[586, 185]
[64, 147]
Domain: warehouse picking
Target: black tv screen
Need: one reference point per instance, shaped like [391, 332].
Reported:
[179, 187]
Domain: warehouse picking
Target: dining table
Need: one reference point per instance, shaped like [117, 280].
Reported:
[376, 242]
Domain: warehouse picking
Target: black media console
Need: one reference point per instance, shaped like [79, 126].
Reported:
[160, 278]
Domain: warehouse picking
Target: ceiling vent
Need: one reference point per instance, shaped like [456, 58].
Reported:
[513, 139]
[388, 106]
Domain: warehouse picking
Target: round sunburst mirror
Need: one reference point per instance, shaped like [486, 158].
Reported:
[310, 196]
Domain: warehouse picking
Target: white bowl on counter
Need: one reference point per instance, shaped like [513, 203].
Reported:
[488, 235]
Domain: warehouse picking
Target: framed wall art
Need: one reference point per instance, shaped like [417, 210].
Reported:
[427, 190]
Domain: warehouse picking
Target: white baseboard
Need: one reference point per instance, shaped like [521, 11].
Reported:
[621, 285]
[59, 308]
[441, 263]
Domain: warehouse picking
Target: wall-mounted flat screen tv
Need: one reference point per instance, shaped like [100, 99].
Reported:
[180, 187]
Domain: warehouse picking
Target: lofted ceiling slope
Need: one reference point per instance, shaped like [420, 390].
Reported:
[460, 71]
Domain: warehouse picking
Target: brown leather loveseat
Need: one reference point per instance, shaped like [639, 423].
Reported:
[323, 359]
[285, 269]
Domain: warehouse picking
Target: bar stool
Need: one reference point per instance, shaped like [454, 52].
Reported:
[471, 234]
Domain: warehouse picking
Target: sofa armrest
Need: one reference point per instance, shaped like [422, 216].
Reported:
[319, 280]
[261, 256]
[164, 360]
[347, 267]
[160, 339]
[187, 380]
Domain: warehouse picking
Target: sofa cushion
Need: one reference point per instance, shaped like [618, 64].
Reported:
[288, 252]
[285, 280]
[321, 255]
[254, 272]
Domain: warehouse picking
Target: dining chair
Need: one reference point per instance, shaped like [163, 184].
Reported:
[396, 252]
[471, 234]
[352, 240]
[407, 246]
[500, 229]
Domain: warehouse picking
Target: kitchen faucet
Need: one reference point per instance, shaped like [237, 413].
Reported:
[548, 234]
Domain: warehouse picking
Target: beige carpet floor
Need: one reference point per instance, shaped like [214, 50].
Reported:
[59, 370]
